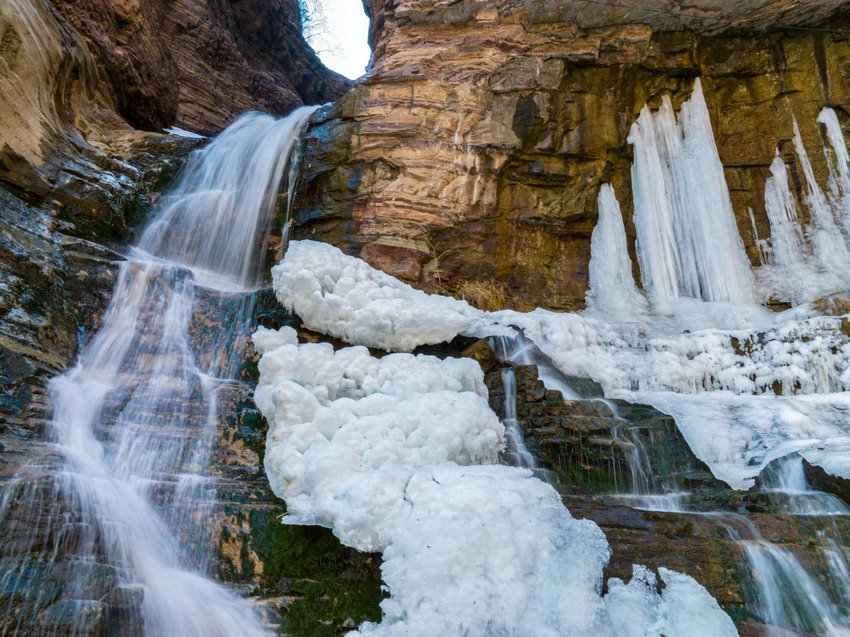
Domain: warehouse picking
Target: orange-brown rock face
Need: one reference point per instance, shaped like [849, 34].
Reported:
[81, 81]
[199, 63]
[470, 160]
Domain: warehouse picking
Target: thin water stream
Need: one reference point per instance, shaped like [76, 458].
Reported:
[120, 510]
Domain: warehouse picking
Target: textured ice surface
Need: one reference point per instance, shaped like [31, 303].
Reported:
[612, 285]
[395, 455]
[719, 384]
[687, 240]
[344, 297]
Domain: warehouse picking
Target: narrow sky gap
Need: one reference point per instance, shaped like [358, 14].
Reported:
[338, 32]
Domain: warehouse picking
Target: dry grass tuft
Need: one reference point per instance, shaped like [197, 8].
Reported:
[485, 295]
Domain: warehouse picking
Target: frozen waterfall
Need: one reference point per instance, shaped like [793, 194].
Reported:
[687, 240]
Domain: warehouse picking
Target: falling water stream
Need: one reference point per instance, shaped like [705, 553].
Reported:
[125, 492]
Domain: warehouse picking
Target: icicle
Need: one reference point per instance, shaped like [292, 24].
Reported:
[688, 242]
[838, 161]
[612, 286]
[787, 245]
[826, 238]
[761, 244]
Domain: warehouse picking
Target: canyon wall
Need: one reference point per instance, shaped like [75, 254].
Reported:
[81, 84]
[469, 160]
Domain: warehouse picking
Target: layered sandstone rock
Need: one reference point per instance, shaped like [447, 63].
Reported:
[80, 80]
[470, 159]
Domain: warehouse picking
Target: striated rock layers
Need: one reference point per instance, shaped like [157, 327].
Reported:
[470, 159]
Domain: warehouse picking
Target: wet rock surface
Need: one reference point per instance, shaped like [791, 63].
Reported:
[470, 158]
[308, 583]
[587, 450]
[55, 575]
[598, 445]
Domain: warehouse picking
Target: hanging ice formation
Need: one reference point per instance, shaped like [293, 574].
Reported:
[135, 423]
[687, 240]
[612, 286]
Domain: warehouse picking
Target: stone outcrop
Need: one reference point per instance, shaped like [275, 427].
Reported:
[78, 80]
[470, 159]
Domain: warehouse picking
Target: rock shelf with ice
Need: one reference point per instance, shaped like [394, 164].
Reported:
[395, 455]
[343, 296]
[720, 385]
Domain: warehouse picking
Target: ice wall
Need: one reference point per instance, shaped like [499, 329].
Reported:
[687, 240]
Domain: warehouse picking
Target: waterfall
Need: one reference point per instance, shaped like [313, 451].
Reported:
[134, 421]
[786, 594]
[516, 453]
[687, 240]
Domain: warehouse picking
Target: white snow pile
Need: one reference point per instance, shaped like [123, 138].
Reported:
[343, 296]
[393, 454]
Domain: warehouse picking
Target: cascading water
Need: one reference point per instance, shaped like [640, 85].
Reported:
[786, 594]
[124, 487]
[516, 453]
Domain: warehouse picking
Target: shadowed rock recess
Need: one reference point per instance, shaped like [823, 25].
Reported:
[470, 159]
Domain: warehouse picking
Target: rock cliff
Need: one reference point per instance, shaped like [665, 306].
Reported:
[470, 159]
[80, 83]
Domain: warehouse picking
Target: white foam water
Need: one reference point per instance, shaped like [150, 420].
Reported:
[134, 421]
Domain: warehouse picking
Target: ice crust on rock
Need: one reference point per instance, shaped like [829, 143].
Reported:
[719, 384]
[343, 296]
[395, 455]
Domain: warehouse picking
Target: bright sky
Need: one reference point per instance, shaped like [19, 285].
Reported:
[341, 39]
